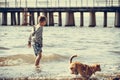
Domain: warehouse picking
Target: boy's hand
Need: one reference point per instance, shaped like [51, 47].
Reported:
[29, 44]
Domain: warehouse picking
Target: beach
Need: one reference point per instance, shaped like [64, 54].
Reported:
[92, 45]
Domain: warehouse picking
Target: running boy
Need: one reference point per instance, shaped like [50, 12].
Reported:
[37, 40]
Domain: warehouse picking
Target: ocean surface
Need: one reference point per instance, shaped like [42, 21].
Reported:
[92, 45]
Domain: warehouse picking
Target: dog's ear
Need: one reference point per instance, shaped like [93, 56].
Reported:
[98, 67]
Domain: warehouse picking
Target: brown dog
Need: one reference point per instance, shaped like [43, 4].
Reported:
[84, 70]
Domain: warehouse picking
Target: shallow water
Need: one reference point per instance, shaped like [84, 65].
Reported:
[92, 45]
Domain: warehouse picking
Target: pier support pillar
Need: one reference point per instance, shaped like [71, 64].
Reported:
[32, 19]
[59, 19]
[45, 14]
[70, 19]
[92, 22]
[51, 19]
[25, 19]
[105, 19]
[81, 19]
[18, 18]
[38, 14]
[4, 18]
[13, 18]
[117, 19]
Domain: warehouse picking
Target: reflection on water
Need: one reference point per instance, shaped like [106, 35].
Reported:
[92, 45]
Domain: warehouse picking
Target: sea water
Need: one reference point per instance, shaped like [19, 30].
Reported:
[92, 45]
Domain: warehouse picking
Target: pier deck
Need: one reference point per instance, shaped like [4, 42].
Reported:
[62, 9]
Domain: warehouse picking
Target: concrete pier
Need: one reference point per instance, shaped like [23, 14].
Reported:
[105, 19]
[51, 19]
[59, 19]
[24, 18]
[32, 18]
[13, 18]
[30, 13]
[92, 22]
[18, 18]
[15, 13]
[81, 19]
[38, 14]
[117, 19]
[4, 18]
[70, 19]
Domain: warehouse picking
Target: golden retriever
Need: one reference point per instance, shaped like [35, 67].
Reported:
[84, 70]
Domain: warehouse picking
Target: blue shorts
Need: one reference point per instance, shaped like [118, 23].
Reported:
[37, 48]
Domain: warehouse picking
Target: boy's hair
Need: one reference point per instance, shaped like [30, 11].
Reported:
[42, 19]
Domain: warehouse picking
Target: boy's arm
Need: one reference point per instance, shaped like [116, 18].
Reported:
[30, 38]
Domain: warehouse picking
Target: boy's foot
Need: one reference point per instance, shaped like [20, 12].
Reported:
[37, 66]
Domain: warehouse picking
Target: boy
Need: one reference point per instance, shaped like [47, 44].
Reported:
[37, 40]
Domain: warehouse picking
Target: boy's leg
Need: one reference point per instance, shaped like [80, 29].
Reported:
[38, 58]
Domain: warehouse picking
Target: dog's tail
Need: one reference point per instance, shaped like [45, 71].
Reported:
[72, 58]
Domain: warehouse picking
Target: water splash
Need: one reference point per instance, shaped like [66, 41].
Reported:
[28, 59]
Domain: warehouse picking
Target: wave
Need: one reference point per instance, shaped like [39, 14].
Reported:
[117, 52]
[54, 57]
[4, 48]
[28, 59]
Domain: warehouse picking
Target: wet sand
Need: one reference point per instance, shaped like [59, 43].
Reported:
[97, 76]
[117, 77]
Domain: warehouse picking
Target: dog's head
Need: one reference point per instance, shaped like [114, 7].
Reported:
[73, 68]
[98, 68]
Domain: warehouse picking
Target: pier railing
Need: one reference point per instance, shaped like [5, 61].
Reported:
[59, 3]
